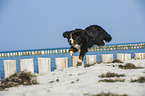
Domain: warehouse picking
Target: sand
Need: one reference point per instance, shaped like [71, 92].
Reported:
[80, 81]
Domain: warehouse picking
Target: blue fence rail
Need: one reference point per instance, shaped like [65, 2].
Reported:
[63, 52]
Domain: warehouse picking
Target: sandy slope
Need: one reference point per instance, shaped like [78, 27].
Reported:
[83, 82]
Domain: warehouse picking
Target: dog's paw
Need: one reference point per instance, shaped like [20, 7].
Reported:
[79, 62]
[71, 53]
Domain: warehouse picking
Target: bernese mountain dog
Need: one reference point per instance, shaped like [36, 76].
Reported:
[80, 39]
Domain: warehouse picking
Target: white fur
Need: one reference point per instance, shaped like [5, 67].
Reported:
[77, 46]
[79, 60]
[71, 39]
[71, 53]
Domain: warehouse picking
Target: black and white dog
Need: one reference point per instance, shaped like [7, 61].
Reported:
[84, 39]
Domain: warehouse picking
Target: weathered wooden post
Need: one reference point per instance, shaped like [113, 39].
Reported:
[106, 58]
[123, 57]
[9, 67]
[44, 65]
[91, 59]
[27, 65]
[139, 55]
[74, 61]
[61, 63]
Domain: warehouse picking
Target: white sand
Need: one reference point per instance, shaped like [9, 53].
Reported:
[83, 81]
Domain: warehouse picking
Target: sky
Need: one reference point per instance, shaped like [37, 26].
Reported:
[39, 24]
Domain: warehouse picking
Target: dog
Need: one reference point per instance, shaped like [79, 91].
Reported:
[80, 39]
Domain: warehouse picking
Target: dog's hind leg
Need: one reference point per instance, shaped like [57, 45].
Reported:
[100, 44]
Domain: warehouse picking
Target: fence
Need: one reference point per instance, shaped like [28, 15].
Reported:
[26, 60]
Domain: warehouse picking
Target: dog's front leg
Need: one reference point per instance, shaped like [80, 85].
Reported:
[81, 56]
[72, 50]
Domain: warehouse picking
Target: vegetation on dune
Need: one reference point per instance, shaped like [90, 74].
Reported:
[117, 61]
[89, 65]
[112, 80]
[106, 94]
[129, 66]
[140, 79]
[17, 79]
[109, 74]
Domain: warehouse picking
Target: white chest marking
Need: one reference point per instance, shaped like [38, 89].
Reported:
[77, 46]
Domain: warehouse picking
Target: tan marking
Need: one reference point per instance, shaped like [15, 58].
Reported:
[80, 57]
[72, 49]
[103, 44]
[75, 42]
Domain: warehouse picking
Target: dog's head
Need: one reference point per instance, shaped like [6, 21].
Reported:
[74, 37]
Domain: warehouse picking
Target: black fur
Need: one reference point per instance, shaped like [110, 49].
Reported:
[92, 35]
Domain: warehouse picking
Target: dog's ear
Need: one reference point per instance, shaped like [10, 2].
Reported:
[78, 32]
[66, 34]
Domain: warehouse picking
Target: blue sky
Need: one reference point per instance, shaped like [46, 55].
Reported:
[36, 24]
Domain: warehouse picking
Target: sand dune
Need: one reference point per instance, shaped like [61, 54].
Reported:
[80, 81]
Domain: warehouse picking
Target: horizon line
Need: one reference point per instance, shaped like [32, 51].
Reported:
[64, 47]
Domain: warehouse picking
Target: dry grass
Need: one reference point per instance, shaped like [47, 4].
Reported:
[106, 94]
[109, 74]
[89, 65]
[112, 80]
[129, 66]
[140, 80]
[117, 61]
[17, 79]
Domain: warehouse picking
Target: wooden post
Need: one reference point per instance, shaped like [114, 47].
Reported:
[106, 58]
[74, 61]
[123, 57]
[9, 67]
[27, 65]
[44, 65]
[139, 55]
[61, 63]
[91, 59]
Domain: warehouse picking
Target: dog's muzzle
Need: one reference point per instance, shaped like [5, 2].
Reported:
[70, 42]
